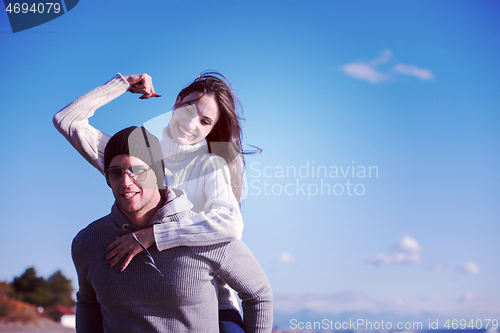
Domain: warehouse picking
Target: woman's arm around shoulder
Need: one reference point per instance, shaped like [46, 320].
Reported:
[220, 220]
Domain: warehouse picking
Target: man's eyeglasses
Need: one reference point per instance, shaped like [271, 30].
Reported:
[137, 173]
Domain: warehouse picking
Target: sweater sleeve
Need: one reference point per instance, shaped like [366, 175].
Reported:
[220, 221]
[72, 121]
[243, 273]
[88, 310]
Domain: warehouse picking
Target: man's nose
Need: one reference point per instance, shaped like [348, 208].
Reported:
[126, 179]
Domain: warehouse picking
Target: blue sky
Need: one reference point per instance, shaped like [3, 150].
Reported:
[407, 88]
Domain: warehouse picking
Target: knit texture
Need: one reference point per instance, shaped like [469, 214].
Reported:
[140, 299]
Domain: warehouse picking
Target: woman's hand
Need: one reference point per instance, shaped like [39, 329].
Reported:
[141, 84]
[126, 246]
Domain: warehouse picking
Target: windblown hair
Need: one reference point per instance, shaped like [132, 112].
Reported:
[226, 136]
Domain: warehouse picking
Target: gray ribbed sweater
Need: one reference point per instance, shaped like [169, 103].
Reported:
[140, 299]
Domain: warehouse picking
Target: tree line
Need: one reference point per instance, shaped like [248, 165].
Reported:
[41, 292]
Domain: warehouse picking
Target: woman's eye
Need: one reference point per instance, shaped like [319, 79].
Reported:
[206, 122]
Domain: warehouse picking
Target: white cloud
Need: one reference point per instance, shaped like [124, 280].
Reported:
[368, 70]
[436, 267]
[409, 245]
[408, 258]
[467, 297]
[384, 57]
[409, 250]
[398, 258]
[380, 259]
[362, 71]
[469, 267]
[287, 258]
[421, 73]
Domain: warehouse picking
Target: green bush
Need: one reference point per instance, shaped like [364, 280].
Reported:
[30, 288]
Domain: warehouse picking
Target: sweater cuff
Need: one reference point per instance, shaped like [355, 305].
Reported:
[168, 236]
[165, 239]
[117, 82]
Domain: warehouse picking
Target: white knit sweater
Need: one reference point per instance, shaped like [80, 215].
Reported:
[203, 176]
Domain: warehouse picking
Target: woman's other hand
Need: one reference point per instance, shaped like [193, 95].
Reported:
[127, 247]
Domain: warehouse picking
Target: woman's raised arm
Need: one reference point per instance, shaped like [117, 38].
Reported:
[72, 121]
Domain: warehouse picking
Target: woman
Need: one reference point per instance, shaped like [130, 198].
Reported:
[202, 154]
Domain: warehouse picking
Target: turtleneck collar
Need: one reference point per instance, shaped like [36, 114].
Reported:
[174, 152]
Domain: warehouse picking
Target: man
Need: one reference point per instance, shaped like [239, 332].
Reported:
[168, 291]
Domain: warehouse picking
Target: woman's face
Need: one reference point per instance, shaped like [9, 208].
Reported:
[193, 118]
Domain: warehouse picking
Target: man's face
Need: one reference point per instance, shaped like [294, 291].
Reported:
[130, 195]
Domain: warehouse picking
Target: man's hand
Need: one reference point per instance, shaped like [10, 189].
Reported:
[141, 84]
[127, 247]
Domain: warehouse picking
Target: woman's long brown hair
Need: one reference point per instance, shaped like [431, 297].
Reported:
[226, 137]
